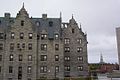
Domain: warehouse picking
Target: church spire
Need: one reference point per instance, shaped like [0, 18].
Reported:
[101, 58]
[23, 5]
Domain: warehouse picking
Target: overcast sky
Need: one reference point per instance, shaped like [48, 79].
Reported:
[99, 18]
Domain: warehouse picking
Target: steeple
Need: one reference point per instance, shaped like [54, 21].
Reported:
[23, 11]
[101, 58]
[72, 21]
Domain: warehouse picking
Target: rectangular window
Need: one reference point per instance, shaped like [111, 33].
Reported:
[21, 35]
[0, 57]
[56, 68]
[29, 70]
[30, 35]
[12, 35]
[44, 47]
[10, 69]
[79, 41]
[29, 57]
[79, 49]
[43, 36]
[80, 58]
[67, 58]
[11, 57]
[9, 78]
[20, 70]
[30, 46]
[43, 69]
[1, 46]
[56, 57]
[11, 46]
[20, 57]
[56, 36]
[29, 79]
[1, 35]
[67, 41]
[18, 45]
[22, 23]
[67, 49]
[67, 68]
[23, 45]
[0, 69]
[80, 68]
[43, 57]
[56, 47]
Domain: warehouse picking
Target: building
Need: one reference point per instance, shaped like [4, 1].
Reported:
[118, 43]
[34, 48]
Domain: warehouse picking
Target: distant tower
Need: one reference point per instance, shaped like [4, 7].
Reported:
[101, 58]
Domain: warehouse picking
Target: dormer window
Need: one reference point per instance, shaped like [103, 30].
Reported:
[50, 23]
[37, 23]
[22, 23]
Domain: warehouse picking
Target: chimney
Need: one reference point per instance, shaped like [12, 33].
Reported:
[7, 15]
[44, 16]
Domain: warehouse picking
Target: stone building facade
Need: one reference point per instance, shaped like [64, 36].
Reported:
[34, 48]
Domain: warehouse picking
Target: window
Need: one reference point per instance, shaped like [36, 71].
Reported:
[29, 57]
[79, 41]
[29, 70]
[44, 47]
[23, 45]
[22, 23]
[30, 35]
[43, 36]
[67, 49]
[0, 69]
[79, 49]
[10, 69]
[29, 79]
[56, 36]
[29, 46]
[11, 46]
[0, 57]
[20, 57]
[1, 36]
[50, 23]
[1, 46]
[56, 68]
[73, 30]
[67, 68]
[21, 35]
[9, 78]
[11, 57]
[43, 69]
[67, 58]
[43, 57]
[67, 40]
[80, 58]
[18, 45]
[56, 47]
[56, 57]
[20, 70]
[37, 23]
[12, 35]
[80, 68]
